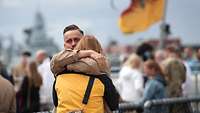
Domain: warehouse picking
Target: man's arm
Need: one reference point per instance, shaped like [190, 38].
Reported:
[66, 57]
[101, 60]
[61, 59]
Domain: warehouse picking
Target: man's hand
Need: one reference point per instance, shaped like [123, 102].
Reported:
[90, 53]
[102, 62]
[96, 56]
[99, 58]
[85, 53]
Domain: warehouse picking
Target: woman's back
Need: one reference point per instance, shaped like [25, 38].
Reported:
[70, 90]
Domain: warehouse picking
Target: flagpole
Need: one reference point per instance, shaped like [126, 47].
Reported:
[163, 34]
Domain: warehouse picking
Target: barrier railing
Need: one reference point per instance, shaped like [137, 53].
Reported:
[168, 105]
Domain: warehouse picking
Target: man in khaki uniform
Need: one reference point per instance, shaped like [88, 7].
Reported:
[7, 97]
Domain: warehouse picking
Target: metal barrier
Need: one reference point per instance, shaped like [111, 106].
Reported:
[168, 105]
[128, 107]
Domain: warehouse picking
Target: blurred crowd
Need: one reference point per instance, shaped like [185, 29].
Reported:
[29, 84]
[145, 73]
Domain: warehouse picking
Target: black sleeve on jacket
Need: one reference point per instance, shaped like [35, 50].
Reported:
[111, 95]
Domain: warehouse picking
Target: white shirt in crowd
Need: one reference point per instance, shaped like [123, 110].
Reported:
[187, 86]
[130, 84]
[48, 79]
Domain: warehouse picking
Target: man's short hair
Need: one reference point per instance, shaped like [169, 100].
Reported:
[26, 53]
[71, 28]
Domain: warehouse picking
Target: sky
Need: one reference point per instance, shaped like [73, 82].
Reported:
[96, 17]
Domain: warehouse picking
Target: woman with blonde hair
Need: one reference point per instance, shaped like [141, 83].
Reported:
[130, 82]
[175, 72]
[89, 65]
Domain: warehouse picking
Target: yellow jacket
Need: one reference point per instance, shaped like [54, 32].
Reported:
[70, 89]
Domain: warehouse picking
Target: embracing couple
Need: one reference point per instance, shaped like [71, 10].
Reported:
[81, 70]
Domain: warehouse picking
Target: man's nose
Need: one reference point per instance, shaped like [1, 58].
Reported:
[73, 44]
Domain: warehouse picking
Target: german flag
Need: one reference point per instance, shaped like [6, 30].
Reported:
[138, 17]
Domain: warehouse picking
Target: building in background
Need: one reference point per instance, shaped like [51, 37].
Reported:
[9, 50]
[37, 38]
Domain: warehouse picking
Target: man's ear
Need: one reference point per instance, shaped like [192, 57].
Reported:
[64, 45]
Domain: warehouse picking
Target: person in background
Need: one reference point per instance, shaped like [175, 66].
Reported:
[155, 87]
[7, 96]
[29, 90]
[159, 56]
[47, 79]
[195, 63]
[18, 73]
[130, 82]
[4, 72]
[198, 54]
[145, 51]
[188, 54]
[175, 72]
[34, 83]
[175, 52]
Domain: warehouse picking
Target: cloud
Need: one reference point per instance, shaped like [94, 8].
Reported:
[70, 3]
[94, 16]
[14, 3]
[49, 3]
[9, 4]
